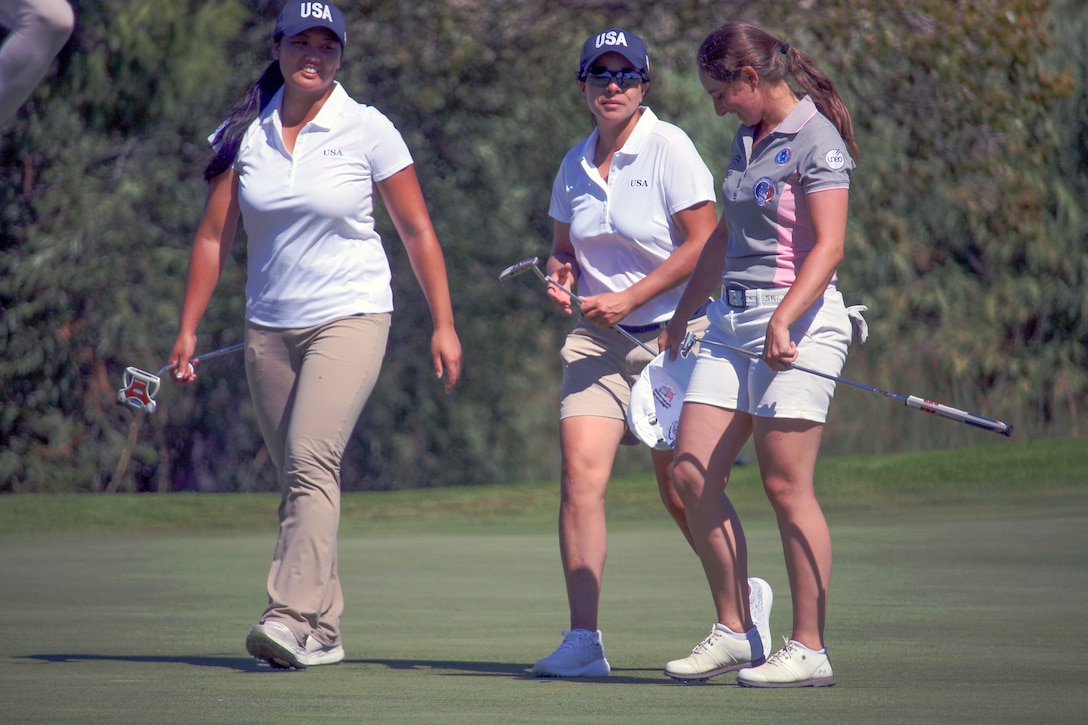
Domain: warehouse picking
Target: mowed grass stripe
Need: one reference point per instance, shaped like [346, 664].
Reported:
[996, 472]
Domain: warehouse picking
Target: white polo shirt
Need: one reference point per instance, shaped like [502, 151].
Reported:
[622, 229]
[765, 195]
[314, 254]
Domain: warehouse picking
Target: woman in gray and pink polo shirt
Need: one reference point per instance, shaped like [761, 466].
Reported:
[775, 252]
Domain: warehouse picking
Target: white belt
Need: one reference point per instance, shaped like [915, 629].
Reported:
[741, 299]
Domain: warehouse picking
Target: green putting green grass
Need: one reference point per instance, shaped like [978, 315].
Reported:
[958, 596]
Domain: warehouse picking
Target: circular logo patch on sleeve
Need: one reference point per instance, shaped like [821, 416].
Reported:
[835, 159]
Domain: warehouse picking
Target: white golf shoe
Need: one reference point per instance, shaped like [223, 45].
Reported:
[275, 644]
[725, 650]
[795, 665]
[580, 655]
[722, 651]
[760, 599]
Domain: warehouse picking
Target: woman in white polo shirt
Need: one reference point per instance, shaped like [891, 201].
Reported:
[299, 161]
[632, 206]
[775, 253]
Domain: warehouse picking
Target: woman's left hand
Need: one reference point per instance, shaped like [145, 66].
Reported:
[672, 337]
[606, 309]
[446, 356]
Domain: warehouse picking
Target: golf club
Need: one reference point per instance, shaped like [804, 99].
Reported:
[141, 386]
[911, 401]
[531, 264]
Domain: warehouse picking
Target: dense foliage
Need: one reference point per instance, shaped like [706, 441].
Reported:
[968, 224]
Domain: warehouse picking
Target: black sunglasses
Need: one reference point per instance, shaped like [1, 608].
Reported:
[623, 78]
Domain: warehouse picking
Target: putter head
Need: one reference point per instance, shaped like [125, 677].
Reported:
[687, 344]
[523, 266]
[139, 391]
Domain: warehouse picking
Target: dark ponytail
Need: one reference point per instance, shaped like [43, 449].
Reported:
[734, 45]
[228, 139]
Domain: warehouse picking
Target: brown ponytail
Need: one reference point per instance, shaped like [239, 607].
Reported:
[734, 45]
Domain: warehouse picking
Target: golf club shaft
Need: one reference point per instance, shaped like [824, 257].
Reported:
[217, 353]
[548, 280]
[911, 401]
[205, 356]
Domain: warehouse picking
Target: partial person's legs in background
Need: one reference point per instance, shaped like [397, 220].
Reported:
[37, 30]
[663, 461]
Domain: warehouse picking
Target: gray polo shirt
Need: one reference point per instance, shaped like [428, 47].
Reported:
[770, 229]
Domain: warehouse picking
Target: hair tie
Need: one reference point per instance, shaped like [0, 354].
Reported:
[786, 49]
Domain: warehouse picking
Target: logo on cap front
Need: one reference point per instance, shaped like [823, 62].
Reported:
[320, 11]
[612, 37]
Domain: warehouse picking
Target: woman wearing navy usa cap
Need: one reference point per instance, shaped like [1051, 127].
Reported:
[627, 45]
[298, 17]
[299, 161]
[631, 207]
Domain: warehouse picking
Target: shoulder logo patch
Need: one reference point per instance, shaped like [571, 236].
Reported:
[835, 159]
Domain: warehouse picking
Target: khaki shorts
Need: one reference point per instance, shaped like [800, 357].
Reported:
[600, 365]
[728, 379]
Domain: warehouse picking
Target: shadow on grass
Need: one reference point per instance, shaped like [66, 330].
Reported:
[239, 664]
[454, 668]
[630, 676]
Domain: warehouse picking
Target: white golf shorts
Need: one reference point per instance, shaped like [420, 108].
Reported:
[731, 380]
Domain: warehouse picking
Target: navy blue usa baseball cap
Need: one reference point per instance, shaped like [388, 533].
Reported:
[298, 17]
[614, 40]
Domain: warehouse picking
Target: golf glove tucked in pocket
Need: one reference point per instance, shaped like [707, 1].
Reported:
[861, 327]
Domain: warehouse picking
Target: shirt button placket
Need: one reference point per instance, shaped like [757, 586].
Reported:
[300, 149]
[606, 220]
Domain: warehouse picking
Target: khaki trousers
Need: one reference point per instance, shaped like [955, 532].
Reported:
[309, 387]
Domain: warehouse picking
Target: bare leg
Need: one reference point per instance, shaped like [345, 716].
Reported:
[589, 449]
[709, 440]
[669, 496]
[787, 451]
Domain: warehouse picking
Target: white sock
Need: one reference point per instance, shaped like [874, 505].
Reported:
[722, 628]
